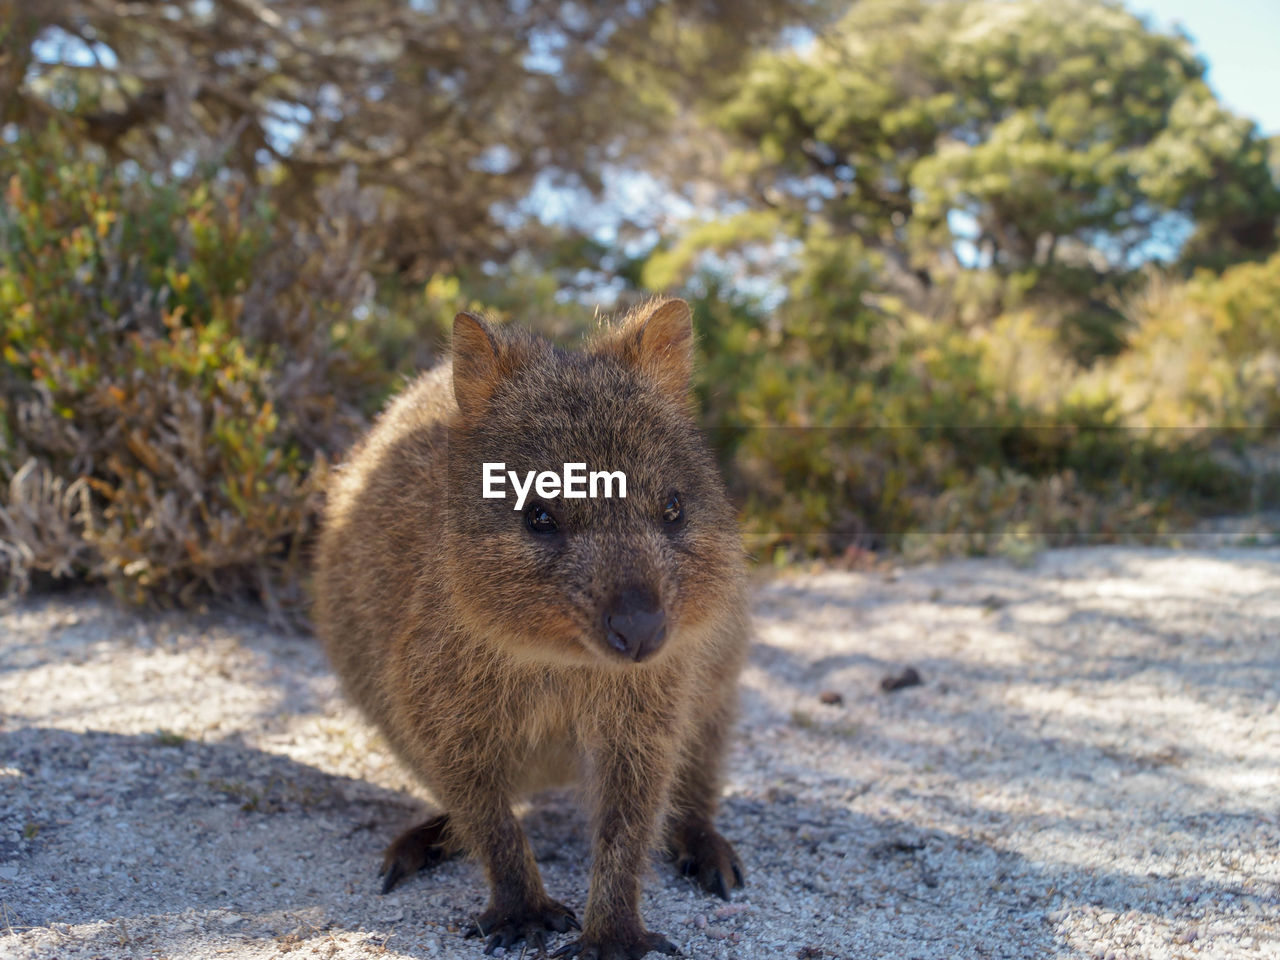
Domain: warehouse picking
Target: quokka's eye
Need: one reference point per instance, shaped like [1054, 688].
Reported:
[539, 519]
[673, 512]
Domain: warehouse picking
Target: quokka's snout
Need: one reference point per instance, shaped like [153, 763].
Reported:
[635, 625]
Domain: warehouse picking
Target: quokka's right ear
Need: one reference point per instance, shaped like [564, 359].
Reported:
[477, 367]
[656, 338]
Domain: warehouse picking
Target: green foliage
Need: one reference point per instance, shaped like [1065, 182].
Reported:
[1204, 354]
[1050, 138]
[664, 267]
[924, 259]
[409, 324]
[175, 365]
[949, 204]
[848, 421]
[453, 109]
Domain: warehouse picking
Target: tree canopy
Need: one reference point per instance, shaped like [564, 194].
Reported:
[452, 107]
[1017, 135]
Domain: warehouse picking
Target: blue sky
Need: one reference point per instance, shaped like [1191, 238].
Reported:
[1240, 40]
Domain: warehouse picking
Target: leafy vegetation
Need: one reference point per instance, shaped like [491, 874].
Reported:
[968, 276]
[1006, 248]
[174, 372]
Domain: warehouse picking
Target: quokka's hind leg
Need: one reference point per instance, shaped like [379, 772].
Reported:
[698, 849]
[418, 848]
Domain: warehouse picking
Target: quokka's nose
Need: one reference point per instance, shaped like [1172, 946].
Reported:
[635, 625]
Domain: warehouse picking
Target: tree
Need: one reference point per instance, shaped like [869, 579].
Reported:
[452, 107]
[1039, 140]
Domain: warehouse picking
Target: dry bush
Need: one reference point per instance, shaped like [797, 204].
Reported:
[179, 368]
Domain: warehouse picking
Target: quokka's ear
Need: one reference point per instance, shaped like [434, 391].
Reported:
[477, 366]
[657, 340]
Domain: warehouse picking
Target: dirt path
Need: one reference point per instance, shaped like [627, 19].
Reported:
[1091, 768]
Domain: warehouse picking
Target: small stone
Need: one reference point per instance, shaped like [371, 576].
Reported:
[910, 677]
[831, 698]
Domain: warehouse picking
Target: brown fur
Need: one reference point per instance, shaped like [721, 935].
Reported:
[479, 648]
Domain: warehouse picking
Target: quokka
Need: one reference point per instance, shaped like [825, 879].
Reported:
[594, 640]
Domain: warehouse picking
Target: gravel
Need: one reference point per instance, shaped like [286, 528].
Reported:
[1090, 767]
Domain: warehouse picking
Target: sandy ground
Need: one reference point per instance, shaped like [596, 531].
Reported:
[1091, 768]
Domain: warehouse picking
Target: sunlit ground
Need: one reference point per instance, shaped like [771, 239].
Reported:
[1089, 769]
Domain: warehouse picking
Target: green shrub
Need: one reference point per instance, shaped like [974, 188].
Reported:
[176, 366]
[180, 367]
[846, 420]
[1203, 354]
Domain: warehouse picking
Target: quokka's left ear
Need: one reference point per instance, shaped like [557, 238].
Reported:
[656, 339]
[477, 367]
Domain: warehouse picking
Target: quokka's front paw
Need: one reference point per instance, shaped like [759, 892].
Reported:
[699, 851]
[528, 923]
[622, 947]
